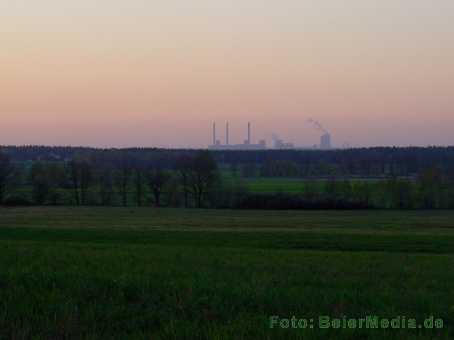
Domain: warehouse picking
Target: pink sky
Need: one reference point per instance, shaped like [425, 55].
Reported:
[158, 73]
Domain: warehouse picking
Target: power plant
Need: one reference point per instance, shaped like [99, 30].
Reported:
[247, 144]
[278, 143]
[325, 141]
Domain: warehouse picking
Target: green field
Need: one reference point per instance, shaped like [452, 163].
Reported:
[130, 273]
[272, 185]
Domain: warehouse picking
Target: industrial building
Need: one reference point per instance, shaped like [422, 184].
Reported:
[325, 141]
[280, 144]
[247, 144]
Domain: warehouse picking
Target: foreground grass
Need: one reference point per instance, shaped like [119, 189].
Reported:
[176, 274]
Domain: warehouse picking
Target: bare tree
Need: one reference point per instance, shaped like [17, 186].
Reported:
[157, 180]
[183, 167]
[86, 179]
[123, 178]
[40, 181]
[74, 175]
[203, 176]
[138, 181]
[6, 172]
[105, 186]
[81, 175]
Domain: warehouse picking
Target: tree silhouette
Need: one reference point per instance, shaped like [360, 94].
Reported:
[6, 171]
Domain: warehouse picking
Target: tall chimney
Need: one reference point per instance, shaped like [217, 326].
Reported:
[214, 133]
[249, 133]
[227, 134]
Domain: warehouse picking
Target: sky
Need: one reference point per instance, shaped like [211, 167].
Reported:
[111, 73]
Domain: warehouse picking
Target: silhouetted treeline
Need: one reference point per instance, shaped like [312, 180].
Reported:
[429, 190]
[406, 178]
[379, 161]
[110, 178]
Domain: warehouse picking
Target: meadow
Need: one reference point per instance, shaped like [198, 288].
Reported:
[292, 185]
[142, 273]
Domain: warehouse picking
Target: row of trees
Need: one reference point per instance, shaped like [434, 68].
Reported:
[120, 180]
[193, 180]
[426, 192]
[431, 189]
[365, 162]
[6, 174]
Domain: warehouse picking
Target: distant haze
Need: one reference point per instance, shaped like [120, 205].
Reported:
[158, 73]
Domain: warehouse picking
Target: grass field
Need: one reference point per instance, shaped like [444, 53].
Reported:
[272, 185]
[101, 273]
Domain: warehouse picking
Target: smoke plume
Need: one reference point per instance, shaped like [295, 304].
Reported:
[317, 125]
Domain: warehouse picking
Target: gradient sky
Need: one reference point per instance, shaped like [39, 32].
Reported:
[157, 73]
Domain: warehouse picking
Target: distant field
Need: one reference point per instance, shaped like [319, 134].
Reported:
[120, 273]
[271, 185]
